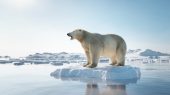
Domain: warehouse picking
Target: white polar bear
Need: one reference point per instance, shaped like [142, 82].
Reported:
[96, 45]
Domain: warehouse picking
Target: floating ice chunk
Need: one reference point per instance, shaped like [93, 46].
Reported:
[102, 73]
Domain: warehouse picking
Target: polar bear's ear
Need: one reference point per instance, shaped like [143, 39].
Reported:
[80, 30]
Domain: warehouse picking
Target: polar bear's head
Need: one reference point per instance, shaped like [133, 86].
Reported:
[76, 34]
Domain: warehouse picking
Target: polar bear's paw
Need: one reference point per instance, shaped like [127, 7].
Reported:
[116, 64]
[85, 65]
[91, 65]
[113, 64]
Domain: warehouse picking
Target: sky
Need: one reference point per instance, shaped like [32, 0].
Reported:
[30, 26]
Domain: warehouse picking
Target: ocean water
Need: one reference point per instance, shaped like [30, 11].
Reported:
[36, 80]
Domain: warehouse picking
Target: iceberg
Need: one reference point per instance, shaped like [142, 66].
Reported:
[102, 73]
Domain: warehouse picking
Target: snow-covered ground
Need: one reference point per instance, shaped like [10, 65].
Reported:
[102, 73]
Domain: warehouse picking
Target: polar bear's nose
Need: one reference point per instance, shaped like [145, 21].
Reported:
[68, 34]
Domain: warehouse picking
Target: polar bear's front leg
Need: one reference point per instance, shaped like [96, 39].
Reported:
[88, 59]
[94, 55]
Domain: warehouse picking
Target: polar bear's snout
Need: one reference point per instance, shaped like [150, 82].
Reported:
[69, 34]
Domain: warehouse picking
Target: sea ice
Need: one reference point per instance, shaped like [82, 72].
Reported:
[102, 73]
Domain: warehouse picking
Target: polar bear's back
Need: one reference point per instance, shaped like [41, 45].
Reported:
[112, 43]
[117, 38]
[109, 37]
[110, 40]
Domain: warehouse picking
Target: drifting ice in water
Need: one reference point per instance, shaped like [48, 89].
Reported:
[102, 73]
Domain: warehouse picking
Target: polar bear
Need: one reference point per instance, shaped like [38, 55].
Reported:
[96, 45]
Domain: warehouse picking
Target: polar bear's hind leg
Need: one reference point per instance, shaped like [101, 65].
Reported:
[113, 60]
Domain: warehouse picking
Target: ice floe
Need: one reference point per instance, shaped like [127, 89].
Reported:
[102, 73]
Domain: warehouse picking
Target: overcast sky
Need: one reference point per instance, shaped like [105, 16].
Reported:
[30, 26]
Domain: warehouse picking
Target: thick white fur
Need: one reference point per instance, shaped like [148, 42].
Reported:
[96, 45]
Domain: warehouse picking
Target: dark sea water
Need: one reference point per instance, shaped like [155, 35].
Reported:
[36, 80]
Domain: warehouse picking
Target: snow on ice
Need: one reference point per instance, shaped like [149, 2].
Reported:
[102, 73]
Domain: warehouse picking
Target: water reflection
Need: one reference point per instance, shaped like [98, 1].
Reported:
[93, 89]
